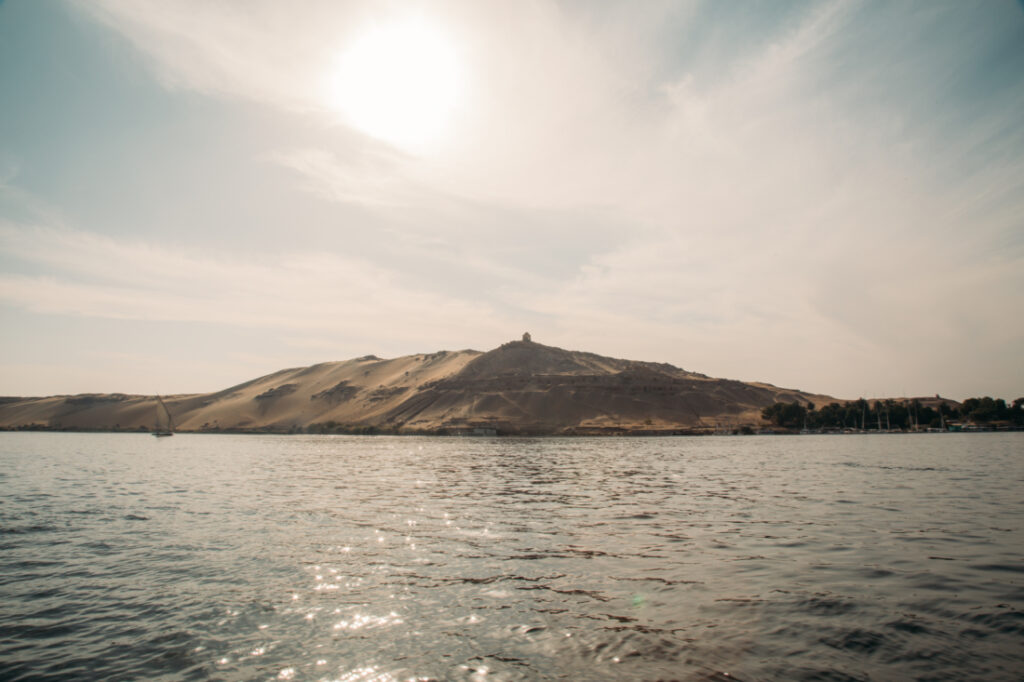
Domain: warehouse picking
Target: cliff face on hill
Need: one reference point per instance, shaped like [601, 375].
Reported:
[519, 388]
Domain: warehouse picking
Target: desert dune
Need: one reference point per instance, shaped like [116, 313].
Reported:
[521, 387]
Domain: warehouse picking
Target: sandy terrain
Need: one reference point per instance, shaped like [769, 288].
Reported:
[520, 387]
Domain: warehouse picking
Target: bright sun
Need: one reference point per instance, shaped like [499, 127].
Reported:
[399, 83]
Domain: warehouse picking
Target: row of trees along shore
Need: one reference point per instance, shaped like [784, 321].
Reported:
[892, 415]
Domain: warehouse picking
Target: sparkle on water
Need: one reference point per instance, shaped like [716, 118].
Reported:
[358, 559]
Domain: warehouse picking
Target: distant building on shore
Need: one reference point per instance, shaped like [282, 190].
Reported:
[526, 337]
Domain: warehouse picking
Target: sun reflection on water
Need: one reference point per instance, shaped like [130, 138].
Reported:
[493, 571]
[360, 621]
[365, 674]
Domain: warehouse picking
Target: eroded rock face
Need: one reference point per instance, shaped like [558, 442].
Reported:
[519, 387]
[529, 358]
[525, 387]
[277, 392]
[340, 392]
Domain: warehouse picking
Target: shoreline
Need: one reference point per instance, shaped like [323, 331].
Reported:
[609, 433]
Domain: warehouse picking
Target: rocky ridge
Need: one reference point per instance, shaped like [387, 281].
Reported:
[521, 387]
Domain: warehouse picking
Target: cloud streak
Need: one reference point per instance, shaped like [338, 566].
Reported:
[832, 202]
[93, 276]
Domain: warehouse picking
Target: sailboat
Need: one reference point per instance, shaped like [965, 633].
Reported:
[158, 430]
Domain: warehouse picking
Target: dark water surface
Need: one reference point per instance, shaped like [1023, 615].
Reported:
[880, 557]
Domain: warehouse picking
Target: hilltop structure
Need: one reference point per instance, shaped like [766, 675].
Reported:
[521, 387]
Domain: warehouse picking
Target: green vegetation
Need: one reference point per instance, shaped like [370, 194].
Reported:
[986, 410]
[789, 415]
[906, 415]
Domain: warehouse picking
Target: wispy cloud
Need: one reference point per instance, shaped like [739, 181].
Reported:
[830, 202]
[261, 51]
[93, 276]
[371, 182]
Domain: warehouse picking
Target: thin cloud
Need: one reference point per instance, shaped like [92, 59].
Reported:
[94, 276]
[827, 204]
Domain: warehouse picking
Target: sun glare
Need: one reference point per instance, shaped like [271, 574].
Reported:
[399, 83]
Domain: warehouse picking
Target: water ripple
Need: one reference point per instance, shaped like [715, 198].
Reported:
[336, 558]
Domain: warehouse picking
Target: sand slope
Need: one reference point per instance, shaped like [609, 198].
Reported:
[520, 387]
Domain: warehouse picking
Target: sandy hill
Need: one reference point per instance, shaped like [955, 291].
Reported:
[521, 387]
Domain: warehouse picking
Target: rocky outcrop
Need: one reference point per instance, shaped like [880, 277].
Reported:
[521, 387]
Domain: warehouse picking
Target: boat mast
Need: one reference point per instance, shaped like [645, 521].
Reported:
[170, 420]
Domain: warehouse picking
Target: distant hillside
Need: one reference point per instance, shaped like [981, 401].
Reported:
[521, 387]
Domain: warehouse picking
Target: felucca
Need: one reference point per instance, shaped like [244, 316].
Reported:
[158, 430]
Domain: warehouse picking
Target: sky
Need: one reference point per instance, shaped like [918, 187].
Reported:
[826, 196]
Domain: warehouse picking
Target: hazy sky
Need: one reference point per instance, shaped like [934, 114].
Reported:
[825, 196]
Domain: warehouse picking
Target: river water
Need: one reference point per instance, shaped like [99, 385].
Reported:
[876, 557]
